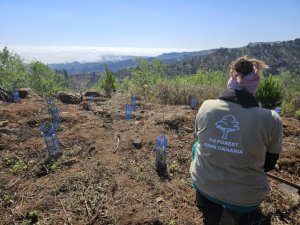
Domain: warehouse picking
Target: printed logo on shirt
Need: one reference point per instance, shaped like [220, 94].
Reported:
[227, 125]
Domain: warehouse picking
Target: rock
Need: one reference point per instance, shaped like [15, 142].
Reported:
[136, 123]
[69, 98]
[97, 96]
[138, 117]
[137, 143]
[25, 92]
[100, 112]
[159, 200]
[93, 93]
[4, 123]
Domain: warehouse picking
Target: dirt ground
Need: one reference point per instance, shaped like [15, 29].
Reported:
[107, 172]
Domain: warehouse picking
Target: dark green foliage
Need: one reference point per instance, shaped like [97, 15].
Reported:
[146, 75]
[14, 74]
[280, 56]
[108, 82]
[270, 92]
[32, 217]
[43, 80]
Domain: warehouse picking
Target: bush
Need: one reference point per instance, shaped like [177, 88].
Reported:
[45, 81]
[288, 107]
[181, 94]
[107, 82]
[202, 78]
[270, 92]
[13, 74]
[146, 75]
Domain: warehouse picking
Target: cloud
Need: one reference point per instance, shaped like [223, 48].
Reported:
[63, 54]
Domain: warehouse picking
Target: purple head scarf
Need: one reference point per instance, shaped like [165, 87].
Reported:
[247, 83]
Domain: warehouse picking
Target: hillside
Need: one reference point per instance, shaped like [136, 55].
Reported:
[284, 55]
[279, 56]
[107, 172]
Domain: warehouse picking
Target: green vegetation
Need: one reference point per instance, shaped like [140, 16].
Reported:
[297, 114]
[15, 74]
[291, 101]
[7, 200]
[108, 82]
[44, 80]
[150, 80]
[156, 81]
[16, 165]
[144, 77]
[19, 167]
[270, 92]
[31, 218]
[280, 56]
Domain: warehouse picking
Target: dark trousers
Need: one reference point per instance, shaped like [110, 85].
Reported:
[214, 214]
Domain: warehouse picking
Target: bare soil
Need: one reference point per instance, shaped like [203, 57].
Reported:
[107, 172]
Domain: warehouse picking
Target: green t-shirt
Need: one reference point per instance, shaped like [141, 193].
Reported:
[233, 141]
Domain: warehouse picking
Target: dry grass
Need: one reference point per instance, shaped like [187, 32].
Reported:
[173, 94]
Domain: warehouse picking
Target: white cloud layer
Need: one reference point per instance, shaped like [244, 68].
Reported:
[63, 54]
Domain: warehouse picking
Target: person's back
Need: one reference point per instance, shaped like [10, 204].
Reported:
[233, 143]
[237, 142]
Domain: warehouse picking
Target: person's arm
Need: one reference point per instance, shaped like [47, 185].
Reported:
[270, 161]
[275, 146]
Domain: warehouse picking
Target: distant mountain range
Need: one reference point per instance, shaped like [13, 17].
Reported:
[278, 55]
[77, 68]
[122, 62]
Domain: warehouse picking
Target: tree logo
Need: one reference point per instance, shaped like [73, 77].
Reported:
[227, 124]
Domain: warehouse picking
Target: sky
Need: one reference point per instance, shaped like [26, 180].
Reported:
[85, 30]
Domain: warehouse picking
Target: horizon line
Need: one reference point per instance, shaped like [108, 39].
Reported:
[79, 53]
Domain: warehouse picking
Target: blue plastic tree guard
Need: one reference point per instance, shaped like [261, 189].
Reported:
[52, 143]
[162, 141]
[16, 96]
[194, 103]
[133, 102]
[54, 111]
[277, 109]
[50, 102]
[91, 97]
[128, 112]
[161, 154]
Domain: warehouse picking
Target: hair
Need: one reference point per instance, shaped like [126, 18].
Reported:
[243, 66]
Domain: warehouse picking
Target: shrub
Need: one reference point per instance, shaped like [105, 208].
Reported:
[288, 107]
[108, 82]
[13, 74]
[45, 81]
[202, 78]
[182, 94]
[270, 92]
[146, 75]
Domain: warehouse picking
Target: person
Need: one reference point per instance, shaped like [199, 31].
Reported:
[237, 143]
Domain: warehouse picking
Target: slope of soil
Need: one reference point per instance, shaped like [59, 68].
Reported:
[107, 172]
